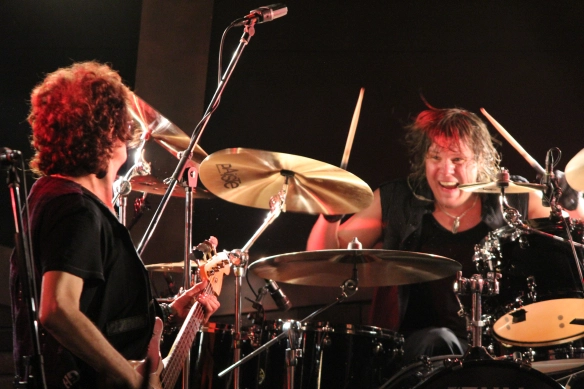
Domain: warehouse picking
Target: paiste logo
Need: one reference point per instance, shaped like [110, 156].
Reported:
[228, 175]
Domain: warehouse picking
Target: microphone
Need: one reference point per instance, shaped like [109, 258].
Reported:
[279, 297]
[264, 14]
[8, 157]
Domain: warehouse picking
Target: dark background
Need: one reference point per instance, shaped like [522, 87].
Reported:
[295, 88]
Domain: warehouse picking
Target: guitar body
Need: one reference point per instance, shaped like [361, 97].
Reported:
[154, 356]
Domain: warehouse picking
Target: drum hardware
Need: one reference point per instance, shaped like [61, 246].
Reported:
[141, 205]
[367, 267]
[248, 177]
[469, 374]
[530, 319]
[477, 286]
[348, 288]
[123, 186]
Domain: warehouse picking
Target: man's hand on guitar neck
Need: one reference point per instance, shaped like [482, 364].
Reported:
[182, 305]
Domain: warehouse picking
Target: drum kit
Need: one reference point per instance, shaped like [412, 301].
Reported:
[529, 273]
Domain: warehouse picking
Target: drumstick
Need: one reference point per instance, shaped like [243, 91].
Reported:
[514, 143]
[352, 129]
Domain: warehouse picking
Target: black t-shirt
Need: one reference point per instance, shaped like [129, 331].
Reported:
[74, 232]
[434, 303]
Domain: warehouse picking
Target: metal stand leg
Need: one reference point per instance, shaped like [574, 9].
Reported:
[477, 286]
[293, 352]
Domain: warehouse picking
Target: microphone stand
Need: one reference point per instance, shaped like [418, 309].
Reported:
[239, 259]
[249, 31]
[191, 182]
[34, 363]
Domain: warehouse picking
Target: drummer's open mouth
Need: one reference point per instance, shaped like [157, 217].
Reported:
[449, 184]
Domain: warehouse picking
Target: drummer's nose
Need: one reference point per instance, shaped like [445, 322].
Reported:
[447, 166]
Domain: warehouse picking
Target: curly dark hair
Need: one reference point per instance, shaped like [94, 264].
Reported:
[455, 124]
[76, 115]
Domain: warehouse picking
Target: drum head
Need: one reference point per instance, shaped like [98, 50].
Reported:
[546, 323]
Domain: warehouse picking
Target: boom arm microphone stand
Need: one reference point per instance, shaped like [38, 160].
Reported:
[247, 34]
[34, 370]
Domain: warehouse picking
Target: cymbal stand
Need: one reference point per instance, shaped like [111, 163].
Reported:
[123, 187]
[348, 288]
[239, 259]
[477, 286]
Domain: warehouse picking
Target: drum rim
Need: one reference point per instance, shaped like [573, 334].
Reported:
[479, 362]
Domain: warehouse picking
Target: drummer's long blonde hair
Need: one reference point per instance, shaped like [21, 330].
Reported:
[455, 124]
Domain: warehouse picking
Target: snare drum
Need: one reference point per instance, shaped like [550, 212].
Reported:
[450, 372]
[541, 299]
[333, 356]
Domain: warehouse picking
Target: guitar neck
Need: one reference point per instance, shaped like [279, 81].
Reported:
[174, 362]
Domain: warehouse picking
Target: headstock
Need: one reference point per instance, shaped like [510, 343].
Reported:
[213, 265]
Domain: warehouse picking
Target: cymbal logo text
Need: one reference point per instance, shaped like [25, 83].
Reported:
[228, 175]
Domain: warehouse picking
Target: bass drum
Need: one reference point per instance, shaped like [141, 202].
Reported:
[450, 372]
[563, 363]
[540, 291]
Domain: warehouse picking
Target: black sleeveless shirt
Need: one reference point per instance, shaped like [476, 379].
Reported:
[434, 303]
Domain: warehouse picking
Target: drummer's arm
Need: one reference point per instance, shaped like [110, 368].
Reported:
[537, 210]
[365, 225]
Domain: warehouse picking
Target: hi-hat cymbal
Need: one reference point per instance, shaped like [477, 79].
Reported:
[375, 267]
[173, 267]
[492, 187]
[575, 171]
[251, 177]
[162, 130]
[152, 185]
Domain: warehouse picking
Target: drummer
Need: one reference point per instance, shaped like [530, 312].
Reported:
[427, 212]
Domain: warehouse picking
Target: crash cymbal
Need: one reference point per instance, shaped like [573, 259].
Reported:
[375, 267]
[152, 185]
[159, 128]
[251, 177]
[575, 171]
[173, 267]
[491, 187]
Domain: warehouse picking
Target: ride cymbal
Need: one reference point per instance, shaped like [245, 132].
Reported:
[251, 177]
[152, 185]
[492, 187]
[374, 267]
[162, 130]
